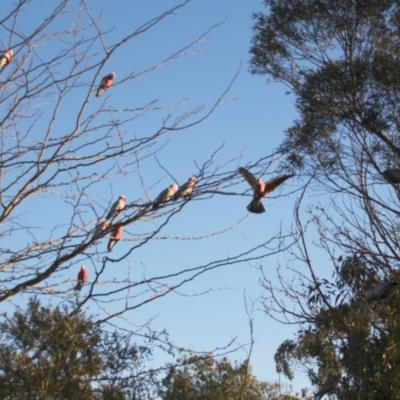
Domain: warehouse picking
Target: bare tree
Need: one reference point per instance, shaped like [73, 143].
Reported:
[62, 147]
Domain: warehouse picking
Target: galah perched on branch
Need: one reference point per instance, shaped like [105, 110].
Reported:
[186, 189]
[261, 189]
[381, 291]
[82, 277]
[330, 383]
[116, 235]
[100, 228]
[6, 58]
[165, 196]
[117, 207]
[392, 175]
[106, 82]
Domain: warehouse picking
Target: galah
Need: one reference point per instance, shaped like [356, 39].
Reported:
[100, 228]
[82, 277]
[330, 383]
[165, 196]
[186, 189]
[381, 291]
[106, 82]
[261, 189]
[6, 58]
[117, 207]
[116, 235]
[392, 175]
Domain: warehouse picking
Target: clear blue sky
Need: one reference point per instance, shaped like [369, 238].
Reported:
[251, 122]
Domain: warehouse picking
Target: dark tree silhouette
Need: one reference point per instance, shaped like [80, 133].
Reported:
[340, 61]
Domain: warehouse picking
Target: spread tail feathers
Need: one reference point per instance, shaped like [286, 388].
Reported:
[256, 206]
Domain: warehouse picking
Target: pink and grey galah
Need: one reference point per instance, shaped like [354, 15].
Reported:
[381, 291]
[186, 189]
[117, 207]
[100, 228]
[115, 237]
[106, 82]
[392, 175]
[82, 278]
[6, 58]
[165, 196]
[330, 383]
[261, 189]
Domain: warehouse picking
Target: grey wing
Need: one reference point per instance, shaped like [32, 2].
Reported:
[250, 178]
[271, 185]
[112, 209]
[161, 196]
[181, 190]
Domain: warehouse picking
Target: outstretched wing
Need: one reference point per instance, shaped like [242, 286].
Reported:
[250, 178]
[271, 185]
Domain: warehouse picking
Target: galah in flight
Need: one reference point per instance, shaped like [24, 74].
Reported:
[330, 383]
[100, 228]
[117, 207]
[392, 175]
[261, 189]
[106, 82]
[165, 196]
[116, 235]
[186, 189]
[6, 58]
[381, 291]
[82, 277]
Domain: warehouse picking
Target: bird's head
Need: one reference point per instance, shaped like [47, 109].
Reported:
[122, 197]
[112, 75]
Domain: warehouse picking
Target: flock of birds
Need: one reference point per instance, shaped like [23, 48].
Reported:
[172, 193]
[105, 83]
[380, 291]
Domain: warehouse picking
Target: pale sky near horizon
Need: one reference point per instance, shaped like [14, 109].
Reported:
[251, 122]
